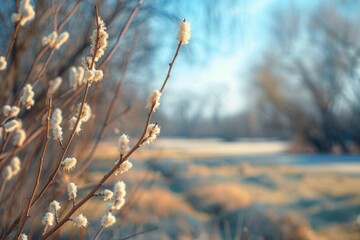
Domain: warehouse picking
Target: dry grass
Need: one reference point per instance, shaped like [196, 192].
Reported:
[219, 197]
[166, 204]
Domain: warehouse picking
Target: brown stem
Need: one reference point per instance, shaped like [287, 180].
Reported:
[97, 235]
[121, 160]
[31, 137]
[122, 34]
[23, 171]
[139, 233]
[27, 79]
[40, 74]
[3, 185]
[170, 67]
[109, 112]
[17, 28]
[52, 177]
[45, 48]
[28, 207]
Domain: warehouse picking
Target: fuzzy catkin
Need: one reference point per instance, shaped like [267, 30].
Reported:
[56, 117]
[57, 133]
[123, 144]
[19, 137]
[23, 236]
[15, 165]
[9, 111]
[119, 189]
[68, 164]
[81, 221]
[154, 100]
[72, 123]
[76, 76]
[85, 113]
[11, 125]
[72, 191]
[55, 85]
[3, 63]
[119, 203]
[107, 194]
[50, 39]
[124, 167]
[184, 33]
[54, 207]
[152, 132]
[63, 37]
[102, 41]
[108, 220]
[25, 13]
[84, 117]
[48, 219]
[7, 173]
[27, 98]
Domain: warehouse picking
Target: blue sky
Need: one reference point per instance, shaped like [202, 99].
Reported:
[219, 64]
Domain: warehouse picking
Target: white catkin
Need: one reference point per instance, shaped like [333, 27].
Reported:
[56, 117]
[119, 203]
[184, 33]
[23, 236]
[76, 76]
[25, 13]
[107, 194]
[119, 189]
[85, 113]
[50, 39]
[153, 130]
[9, 111]
[3, 63]
[102, 41]
[63, 37]
[11, 125]
[15, 165]
[54, 206]
[55, 85]
[68, 164]
[84, 117]
[57, 133]
[6, 110]
[19, 137]
[48, 219]
[81, 221]
[108, 220]
[27, 98]
[72, 123]
[124, 167]
[154, 100]
[98, 75]
[72, 191]
[7, 173]
[123, 144]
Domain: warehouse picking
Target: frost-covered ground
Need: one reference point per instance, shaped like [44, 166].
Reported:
[210, 189]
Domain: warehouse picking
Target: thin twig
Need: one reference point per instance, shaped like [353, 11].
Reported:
[97, 235]
[28, 207]
[122, 34]
[121, 160]
[52, 177]
[17, 28]
[139, 233]
[110, 111]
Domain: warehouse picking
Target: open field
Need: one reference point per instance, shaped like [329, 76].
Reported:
[212, 190]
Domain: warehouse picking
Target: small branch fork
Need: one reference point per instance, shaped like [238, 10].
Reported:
[122, 159]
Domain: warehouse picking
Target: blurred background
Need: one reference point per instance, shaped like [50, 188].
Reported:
[260, 130]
